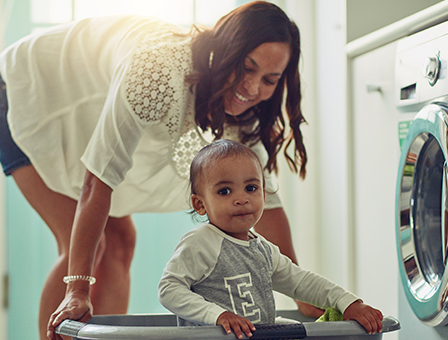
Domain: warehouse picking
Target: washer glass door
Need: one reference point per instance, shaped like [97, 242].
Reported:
[421, 219]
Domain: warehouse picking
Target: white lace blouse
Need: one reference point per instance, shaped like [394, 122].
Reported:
[108, 95]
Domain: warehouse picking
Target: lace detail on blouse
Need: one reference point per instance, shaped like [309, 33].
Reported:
[185, 149]
[155, 84]
[191, 142]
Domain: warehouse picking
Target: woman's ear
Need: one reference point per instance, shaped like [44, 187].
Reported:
[198, 204]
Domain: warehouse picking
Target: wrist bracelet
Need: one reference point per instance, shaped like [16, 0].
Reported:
[71, 278]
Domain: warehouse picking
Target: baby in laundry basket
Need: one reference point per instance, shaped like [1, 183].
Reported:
[222, 272]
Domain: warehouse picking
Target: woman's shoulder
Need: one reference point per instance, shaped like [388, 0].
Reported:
[155, 79]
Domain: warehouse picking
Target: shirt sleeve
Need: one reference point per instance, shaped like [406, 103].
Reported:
[303, 285]
[144, 92]
[109, 152]
[193, 260]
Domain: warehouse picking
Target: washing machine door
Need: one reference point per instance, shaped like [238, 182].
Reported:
[422, 215]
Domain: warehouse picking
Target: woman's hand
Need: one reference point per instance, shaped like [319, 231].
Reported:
[370, 318]
[75, 306]
[237, 323]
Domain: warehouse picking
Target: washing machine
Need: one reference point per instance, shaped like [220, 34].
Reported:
[421, 207]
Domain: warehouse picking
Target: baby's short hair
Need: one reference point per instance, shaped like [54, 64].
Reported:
[214, 152]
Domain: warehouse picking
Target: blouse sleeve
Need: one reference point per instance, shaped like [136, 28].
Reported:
[142, 94]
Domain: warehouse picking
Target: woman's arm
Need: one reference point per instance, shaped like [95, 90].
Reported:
[274, 226]
[90, 220]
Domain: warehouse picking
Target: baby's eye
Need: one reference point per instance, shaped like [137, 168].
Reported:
[224, 191]
[251, 188]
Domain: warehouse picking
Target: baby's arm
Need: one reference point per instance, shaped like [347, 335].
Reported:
[293, 281]
[230, 321]
[370, 318]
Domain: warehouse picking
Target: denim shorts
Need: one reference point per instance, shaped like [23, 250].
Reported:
[11, 157]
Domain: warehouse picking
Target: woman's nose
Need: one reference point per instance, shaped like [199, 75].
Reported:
[251, 85]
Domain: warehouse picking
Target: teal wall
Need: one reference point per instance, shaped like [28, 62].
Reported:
[19, 23]
[29, 255]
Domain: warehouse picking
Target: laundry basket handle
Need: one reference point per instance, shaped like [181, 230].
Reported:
[79, 330]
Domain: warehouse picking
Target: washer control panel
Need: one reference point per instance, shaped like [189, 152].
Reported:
[421, 68]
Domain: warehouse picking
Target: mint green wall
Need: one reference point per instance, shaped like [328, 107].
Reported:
[19, 23]
[29, 249]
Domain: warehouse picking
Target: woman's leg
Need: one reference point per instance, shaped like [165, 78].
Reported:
[110, 293]
[58, 211]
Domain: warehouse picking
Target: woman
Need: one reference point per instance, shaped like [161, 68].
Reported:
[106, 115]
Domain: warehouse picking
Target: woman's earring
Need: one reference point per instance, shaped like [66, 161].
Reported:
[210, 59]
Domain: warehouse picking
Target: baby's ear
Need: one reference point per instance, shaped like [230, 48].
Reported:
[198, 204]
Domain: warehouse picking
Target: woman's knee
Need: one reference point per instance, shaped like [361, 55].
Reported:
[120, 239]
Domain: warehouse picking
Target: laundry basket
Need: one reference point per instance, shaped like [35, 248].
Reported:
[164, 327]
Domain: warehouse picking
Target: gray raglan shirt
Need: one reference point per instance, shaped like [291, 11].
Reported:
[212, 272]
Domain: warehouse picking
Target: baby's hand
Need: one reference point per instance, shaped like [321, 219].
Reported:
[230, 321]
[370, 318]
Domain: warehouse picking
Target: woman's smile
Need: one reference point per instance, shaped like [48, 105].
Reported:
[240, 97]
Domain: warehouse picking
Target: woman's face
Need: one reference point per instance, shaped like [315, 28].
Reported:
[263, 67]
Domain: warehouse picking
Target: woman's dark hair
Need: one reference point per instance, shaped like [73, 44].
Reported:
[233, 37]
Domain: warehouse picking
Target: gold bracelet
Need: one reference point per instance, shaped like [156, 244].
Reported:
[71, 278]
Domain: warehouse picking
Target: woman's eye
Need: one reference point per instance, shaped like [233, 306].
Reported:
[251, 188]
[224, 191]
[270, 82]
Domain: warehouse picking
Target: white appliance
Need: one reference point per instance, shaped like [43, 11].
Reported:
[421, 89]
[398, 75]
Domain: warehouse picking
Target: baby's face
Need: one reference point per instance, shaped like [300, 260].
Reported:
[232, 195]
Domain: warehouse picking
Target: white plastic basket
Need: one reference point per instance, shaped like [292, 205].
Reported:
[164, 327]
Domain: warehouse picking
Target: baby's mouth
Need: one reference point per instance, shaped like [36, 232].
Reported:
[242, 214]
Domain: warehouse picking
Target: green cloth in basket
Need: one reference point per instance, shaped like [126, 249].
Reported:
[330, 314]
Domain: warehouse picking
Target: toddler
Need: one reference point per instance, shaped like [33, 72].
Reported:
[224, 273]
